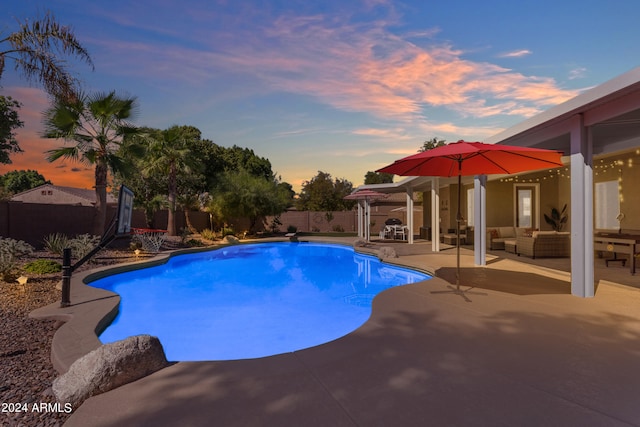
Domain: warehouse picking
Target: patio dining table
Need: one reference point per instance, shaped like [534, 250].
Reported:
[618, 243]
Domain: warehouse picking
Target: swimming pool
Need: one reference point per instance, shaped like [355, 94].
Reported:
[249, 301]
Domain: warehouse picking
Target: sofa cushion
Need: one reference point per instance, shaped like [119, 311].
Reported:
[507, 232]
[494, 233]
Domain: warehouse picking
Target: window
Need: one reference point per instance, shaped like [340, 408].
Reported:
[525, 196]
[527, 205]
[607, 205]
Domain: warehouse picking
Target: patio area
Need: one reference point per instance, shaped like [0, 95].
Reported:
[518, 350]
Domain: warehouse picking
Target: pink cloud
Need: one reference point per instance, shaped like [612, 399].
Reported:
[357, 67]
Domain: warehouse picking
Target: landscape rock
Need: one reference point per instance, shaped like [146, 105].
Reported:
[387, 252]
[360, 243]
[108, 367]
[232, 240]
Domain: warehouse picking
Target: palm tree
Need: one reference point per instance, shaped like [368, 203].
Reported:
[169, 153]
[97, 124]
[37, 47]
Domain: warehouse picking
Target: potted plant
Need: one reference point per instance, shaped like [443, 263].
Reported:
[558, 219]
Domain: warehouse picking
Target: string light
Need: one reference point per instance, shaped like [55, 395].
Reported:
[600, 167]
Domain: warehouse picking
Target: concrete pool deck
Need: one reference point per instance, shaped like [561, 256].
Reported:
[518, 350]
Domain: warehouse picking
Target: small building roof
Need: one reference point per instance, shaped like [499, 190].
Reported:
[84, 194]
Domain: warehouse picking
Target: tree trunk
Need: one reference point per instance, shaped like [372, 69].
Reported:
[187, 219]
[100, 218]
[171, 217]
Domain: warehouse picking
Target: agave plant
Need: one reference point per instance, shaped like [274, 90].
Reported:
[558, 219]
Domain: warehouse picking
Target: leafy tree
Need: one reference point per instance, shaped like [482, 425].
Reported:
[18, 181]
[38, 49]
[96, 124]
[431, 144]
[322, 193]
[9, 121]
[240, 194]
[237, 158]
[378, 178]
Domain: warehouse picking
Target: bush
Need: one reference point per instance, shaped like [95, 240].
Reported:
[82, 244]
[227, 231]
[208, 234]
[56, 243]
[194, 243]
[292, 229]
[338, 228]
[10, 251]
[43, 266]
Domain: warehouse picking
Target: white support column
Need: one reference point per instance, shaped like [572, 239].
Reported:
[435, 214]
[480, 219]
[410, 214]
[367, 220]
[360, 213]
[581, 214]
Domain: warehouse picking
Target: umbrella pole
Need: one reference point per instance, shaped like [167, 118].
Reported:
[458, 218]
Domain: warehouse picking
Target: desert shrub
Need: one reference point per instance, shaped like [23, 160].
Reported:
[292, 229]
[43, 266]
[82, 244]
[194, 243]
[11, 251]
[228, 231]
[315, 229]
[56, 243]
[338, 228]
[208, 234]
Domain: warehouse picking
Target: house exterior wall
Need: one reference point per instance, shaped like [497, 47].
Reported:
[51, 195]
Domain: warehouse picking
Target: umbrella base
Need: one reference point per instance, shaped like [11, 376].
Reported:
[458, 291]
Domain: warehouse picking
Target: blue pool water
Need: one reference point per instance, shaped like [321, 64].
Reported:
[249, 301]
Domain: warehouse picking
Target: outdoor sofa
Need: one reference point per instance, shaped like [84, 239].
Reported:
[544, 244]
[496, 236]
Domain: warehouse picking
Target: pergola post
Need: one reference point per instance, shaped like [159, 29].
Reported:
[582, 270]
[435, 214]
[410, 214]
[480, 219]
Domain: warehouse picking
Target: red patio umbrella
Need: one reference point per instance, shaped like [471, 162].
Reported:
[473, 158]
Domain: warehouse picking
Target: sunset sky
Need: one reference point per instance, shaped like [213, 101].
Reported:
[340, 86]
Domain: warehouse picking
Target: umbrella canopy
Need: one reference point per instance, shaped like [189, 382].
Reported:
[365, 195]
[473, 158]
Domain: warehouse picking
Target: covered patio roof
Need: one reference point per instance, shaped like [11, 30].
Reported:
[599, 122]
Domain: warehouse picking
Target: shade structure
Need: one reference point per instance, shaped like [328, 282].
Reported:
[473, 158]
[366, 195]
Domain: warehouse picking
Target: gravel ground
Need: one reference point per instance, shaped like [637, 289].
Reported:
[26, 372]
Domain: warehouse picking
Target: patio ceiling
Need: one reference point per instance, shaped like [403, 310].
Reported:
[611, 112]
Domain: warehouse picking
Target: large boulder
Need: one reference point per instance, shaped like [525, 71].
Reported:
[387, 252]
[108, 367]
